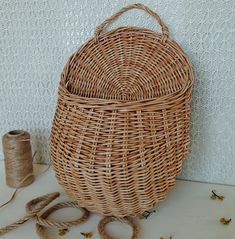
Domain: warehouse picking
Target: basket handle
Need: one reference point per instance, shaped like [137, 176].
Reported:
[165, 31]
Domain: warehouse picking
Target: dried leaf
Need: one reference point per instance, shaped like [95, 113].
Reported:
[87, 234]
[225, 221]
[63, 232]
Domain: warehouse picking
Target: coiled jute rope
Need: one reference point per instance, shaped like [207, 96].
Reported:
[35, 207]
[106, 220]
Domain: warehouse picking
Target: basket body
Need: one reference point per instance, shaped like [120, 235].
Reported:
[121, 127]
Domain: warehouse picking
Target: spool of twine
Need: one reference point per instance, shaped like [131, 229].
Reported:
[18, 158]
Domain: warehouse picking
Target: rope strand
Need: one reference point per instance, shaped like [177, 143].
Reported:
[36, 206]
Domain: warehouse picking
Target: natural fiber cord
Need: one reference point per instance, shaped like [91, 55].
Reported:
[18, 158]
[21, 182]
[43, 222]
[35, 207]
[121, 127]
[106, 220]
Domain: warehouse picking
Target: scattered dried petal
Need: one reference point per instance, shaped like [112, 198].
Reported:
[213, 197]
[87, 234]
[225, 221]
[141, 217]
[63, 232]
[221, 197]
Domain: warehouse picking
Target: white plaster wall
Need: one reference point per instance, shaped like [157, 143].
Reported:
[37, 36]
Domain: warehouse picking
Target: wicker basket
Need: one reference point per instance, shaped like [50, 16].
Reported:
[121, 127]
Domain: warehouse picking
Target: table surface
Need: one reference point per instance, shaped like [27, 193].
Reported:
[187, 213]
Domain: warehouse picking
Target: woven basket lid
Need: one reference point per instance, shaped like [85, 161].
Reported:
[129, 63]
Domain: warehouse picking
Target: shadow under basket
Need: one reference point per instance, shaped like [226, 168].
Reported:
[121, 126]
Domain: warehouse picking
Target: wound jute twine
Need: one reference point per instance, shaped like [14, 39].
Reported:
[18, 158]
[19, 173]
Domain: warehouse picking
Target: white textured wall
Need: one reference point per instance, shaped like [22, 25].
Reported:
[37, 36]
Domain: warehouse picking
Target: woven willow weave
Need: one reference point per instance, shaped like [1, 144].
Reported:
[121, 127]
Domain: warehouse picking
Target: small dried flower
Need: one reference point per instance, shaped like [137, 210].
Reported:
[225, 221]
[215, 196]
[63, 232]
[87, 234]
